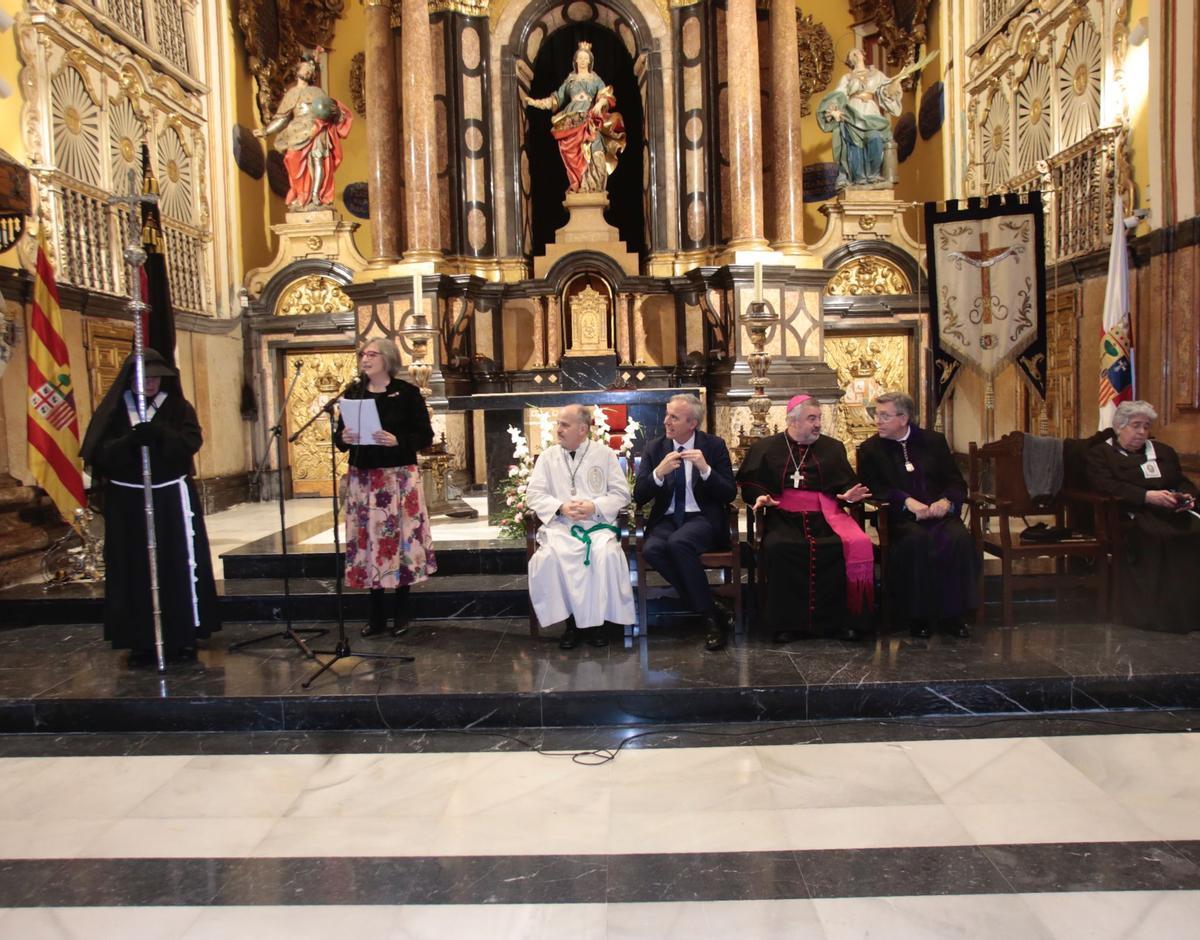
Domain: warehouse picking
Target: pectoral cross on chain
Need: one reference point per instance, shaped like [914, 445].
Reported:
[797, 478]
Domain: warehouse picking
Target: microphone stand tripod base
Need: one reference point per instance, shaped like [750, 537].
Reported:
[343, 651]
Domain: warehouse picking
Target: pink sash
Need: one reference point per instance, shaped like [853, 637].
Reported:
[857, 550]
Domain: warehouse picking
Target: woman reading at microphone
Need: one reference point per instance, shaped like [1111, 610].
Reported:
[388, 541]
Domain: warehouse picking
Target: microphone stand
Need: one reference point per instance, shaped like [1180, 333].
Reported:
[289, 632]
[342, 650]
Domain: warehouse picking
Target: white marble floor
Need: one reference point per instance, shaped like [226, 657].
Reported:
[871, 798]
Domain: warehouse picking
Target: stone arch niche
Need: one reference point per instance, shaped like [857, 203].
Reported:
[522, 34]
[876, 331]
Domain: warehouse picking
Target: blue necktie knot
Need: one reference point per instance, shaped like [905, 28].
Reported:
[680, 489]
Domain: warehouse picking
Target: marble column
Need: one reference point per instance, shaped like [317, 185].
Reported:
[383, 132]
[745, 127]
[420, 142]
[787, 159]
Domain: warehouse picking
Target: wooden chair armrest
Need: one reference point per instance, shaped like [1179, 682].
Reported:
[760, 525]
[532, 524]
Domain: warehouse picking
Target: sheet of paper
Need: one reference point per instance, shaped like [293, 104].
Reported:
[361, 417]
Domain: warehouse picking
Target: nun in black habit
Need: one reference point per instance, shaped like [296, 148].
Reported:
[112, 449]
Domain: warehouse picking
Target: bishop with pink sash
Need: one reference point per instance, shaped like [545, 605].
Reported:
[819, 563]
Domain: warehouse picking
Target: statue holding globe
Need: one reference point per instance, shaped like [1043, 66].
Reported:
[310, 126]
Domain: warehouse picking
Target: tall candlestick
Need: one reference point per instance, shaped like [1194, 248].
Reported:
[758, 281]
[418, 300]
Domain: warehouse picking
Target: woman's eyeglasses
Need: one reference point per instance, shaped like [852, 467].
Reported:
[369, 354]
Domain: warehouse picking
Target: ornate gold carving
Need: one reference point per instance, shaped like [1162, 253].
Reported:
[867, 222]
[275, 33]
[589, 323]
[866, 366]
[312, 294]
[314, 242]
[322, 376]
[465, 7]
[902, 28]
[868, 275]
[358, 91]
[815, 48]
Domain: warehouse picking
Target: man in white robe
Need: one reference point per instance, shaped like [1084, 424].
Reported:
[579, 570]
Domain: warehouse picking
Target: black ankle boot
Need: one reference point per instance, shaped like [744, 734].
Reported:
[400, 611]
[377, 619]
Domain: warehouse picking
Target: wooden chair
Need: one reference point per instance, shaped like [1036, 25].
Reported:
[998, 493]
[533, 523]
[875, 509]
[728, 562]
[876, 512]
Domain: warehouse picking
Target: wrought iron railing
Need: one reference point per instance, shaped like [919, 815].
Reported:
[186, 249]
[156, 23]
[994, 12]
[1078, 186]
[91, 236]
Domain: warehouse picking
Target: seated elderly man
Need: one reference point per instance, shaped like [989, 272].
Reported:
[933, 565]
[820, 565]
[1158, 577]
[579, 573]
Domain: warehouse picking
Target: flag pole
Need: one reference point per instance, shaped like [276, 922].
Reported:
[135, 257]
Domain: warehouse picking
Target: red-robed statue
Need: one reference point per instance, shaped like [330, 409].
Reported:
[311, 126]
[590, 134]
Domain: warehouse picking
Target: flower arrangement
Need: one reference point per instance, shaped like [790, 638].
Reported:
[514, 486]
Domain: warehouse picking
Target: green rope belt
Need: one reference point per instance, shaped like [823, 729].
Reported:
[585, 536]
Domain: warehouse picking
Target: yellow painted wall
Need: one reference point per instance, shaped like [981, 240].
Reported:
[348, 42]
[10, 107]
[258, 208]
[817, 145]
[1137, 91]
[921, 174]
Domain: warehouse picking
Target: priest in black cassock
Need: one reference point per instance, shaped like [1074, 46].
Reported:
[933, 567]
[820, 565]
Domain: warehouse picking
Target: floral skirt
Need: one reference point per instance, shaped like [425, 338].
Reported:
[388, 541]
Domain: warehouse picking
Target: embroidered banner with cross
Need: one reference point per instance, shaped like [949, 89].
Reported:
[987, 288]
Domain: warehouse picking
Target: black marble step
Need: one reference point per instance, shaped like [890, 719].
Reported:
[489, 674]
[440, 598]
[264, 559]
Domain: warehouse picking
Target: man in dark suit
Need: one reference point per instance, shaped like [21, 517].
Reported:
[689, 477]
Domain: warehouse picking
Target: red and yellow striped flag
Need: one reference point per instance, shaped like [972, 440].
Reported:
[52, 422]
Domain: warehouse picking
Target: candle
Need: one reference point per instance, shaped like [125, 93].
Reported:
[758, 281]
[418, 300]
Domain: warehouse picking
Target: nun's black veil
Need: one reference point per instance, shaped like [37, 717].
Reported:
[113, 399]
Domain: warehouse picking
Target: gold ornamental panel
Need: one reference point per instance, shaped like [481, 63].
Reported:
[868, 275]
[312, 294]
[322, 376]
[866, 366]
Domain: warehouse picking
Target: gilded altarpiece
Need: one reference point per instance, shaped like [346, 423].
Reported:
[1046, 110]
[322, 376]
[866, 366]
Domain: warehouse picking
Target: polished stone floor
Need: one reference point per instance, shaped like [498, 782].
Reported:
[1038, 781]
[493, 673]
[972, 828]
